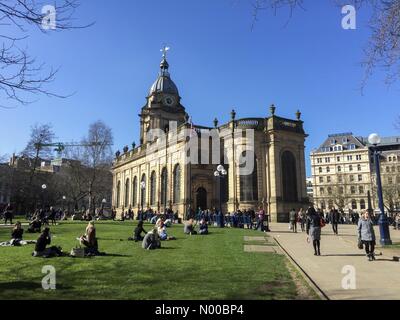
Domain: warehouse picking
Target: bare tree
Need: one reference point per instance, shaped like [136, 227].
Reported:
[383, 48]
[20, 75]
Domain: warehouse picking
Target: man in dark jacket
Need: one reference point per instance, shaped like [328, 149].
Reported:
[8, 214]
[334, 217]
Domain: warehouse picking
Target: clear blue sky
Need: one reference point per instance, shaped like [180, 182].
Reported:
[217, 62]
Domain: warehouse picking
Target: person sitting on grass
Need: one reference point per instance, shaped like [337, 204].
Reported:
[137, 233]
[189, 227]
[162, 232]
[16, 234]
[203, 227]
[41, 243]
[89, 239]
[151, 240]
[35, 226]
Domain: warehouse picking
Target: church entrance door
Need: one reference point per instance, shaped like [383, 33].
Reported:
[201, 198]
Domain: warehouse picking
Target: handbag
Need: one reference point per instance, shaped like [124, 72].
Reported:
[77, 252]
[322, 223]
[360, 244]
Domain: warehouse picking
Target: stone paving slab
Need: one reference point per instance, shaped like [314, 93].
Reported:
[261, 239]
[258, 248]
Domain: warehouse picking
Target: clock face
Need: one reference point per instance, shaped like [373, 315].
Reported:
[169, 101]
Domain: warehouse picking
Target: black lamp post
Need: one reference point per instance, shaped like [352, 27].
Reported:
[220, 173]
[383, 222]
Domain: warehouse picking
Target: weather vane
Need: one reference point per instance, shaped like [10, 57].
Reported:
[164, 50]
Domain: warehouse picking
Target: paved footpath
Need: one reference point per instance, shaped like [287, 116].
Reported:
[374, 280]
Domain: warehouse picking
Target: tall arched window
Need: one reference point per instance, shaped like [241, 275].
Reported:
[164, 186]
[362, 204]
[143, 190]
[177, 183]
[118, 194]
[289, 177]
[153, 181]
[134, 191]
[249, 182]
[354, 204]
[126, 198]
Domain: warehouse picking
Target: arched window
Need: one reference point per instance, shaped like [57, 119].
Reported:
[249, 182]
[177, 183]
[118, 193]
[289, 177]
[164, 186]
[354, 204]
[362, 204]
[126, 198]
[153, 181]
[143, 190]
[134, 191]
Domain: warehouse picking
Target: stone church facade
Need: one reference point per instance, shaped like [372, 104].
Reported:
[162, 172]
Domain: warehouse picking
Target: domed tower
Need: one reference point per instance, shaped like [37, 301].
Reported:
[163, 103]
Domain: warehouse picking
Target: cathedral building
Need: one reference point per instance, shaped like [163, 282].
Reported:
[169, 175]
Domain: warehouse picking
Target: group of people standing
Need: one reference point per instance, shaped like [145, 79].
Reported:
[312, 221]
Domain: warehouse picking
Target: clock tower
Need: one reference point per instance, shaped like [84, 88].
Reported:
[163, 103]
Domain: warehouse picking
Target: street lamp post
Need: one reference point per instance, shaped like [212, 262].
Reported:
[103, 203]
[64, 198]
[383, 222]
[220, 173]
[44, 187]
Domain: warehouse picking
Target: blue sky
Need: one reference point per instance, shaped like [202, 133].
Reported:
[217, 62]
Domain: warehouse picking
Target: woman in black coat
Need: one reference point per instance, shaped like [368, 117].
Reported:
[313, 229]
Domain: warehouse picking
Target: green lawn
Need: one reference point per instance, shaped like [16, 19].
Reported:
[192, 267]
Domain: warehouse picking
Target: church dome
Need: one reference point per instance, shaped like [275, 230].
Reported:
[164, 84]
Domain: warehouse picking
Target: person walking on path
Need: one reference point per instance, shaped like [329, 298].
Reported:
[313, 229]
[302, 218]
[260, 221]
[334, 218]
[8, 214]
[293, 220]
[366, 234]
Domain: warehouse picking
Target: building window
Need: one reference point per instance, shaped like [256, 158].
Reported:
[118, 194]
[387, 169]
[359, 167]
[328, 179]
[390, 180]
[360, 177]
[361, 190]
[349, 158]
[249, 183]
[362, 204]
[164, 186]
[339, 169]
[153, 184]
[358, 157]
[350, 168]
[320, 169]
[329, 190]
[328, 169]
[351, 178]
[340, 179]
[321, 191]
[177, 183]
[338, 159]
[134, 191]
[127, 184]
[353, 189]
[341, 190]
[321, 179]
[143, 190]
[354, 204]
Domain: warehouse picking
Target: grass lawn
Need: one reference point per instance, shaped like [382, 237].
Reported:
[192, 267]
